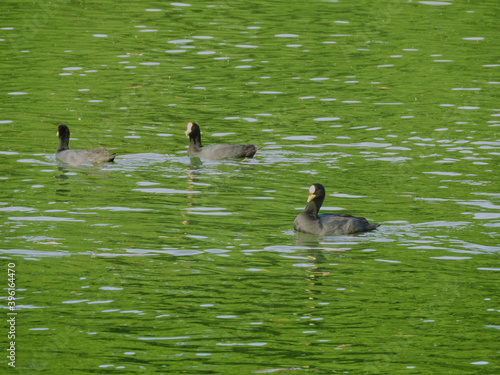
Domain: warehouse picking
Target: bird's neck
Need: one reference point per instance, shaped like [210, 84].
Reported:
[195, 143]
[312, 209]
[63, 145]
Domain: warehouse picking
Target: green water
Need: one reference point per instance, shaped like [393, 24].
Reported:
[159, 264]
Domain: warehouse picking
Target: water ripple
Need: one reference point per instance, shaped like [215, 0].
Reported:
[166, 191]
[43, 218]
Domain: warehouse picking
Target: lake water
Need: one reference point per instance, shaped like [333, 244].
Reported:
[161, 264]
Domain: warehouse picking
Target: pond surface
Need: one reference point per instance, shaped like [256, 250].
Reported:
[163, 264]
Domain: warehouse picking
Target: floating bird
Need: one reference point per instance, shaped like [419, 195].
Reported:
[308, 221]
[76, 157]
[215, 151]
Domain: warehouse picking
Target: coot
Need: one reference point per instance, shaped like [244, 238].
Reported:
[308, 221]
[215, 151]
[76, 157]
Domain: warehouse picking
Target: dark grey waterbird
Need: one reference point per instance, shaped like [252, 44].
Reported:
[76, 157]
[308, 221]
[215, 151]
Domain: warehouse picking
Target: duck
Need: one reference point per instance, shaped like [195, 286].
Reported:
[77, 157]
[215, 151]
[308, 221]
